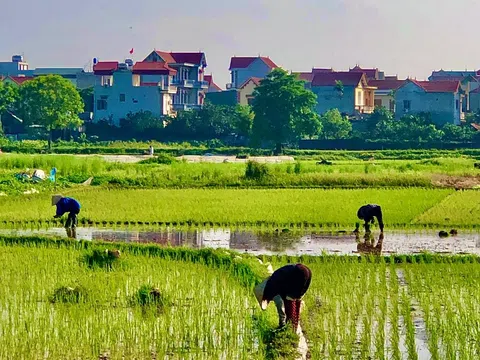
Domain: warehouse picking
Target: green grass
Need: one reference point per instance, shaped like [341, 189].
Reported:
[353, 173]
[230, 207]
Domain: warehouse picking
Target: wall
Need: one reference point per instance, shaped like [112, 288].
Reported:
[474, 101]
[137, 98]
[226, 97]
[246, 91]
[256, 69]
[440, 105]
[329, 98]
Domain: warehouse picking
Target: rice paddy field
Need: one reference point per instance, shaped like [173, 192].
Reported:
[403, 207]
[404, 307]
[68, 299]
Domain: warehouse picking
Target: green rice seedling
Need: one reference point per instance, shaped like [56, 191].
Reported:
[68, 294]
[149, 295]
[106, 259]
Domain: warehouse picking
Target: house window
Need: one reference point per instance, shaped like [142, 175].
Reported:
[378, 102]
[392, 105]
[122, 97]
[101, 104]
[456, 104]
[250, 100]
[407, 105]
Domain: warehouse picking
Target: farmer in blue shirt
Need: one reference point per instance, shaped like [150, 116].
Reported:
[67, 205]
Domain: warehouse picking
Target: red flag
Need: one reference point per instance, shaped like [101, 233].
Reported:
[131, 51]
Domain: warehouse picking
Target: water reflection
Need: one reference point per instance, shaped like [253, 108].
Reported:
[368, 246]
[282, 241]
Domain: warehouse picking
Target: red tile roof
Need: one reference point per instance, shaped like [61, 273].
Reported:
[321, 70]
[19, 79]
[438, 86]
[306, 76]
[371, 73]
[255, 80]
[197, 58]
[143, 67]
[475, 126]
[105, 67]
[330, 79]
[386, 84]
[242, 62]
[211, 83]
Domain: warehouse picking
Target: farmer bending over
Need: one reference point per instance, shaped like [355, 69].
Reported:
[286, 288]
[368, 213]
[67, 205]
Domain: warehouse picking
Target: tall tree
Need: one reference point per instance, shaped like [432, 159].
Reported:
[335, 126]
[284, 110]
[8, 97]
[52, 102]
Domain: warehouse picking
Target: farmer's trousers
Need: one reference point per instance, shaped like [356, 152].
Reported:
[288, 311]
[71, 220]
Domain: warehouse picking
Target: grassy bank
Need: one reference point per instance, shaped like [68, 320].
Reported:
[74, 170]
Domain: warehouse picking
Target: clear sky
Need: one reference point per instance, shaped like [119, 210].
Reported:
[404, 37]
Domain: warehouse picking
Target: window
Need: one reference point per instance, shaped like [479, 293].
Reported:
[392, 105]
[407, 105]
[250, 100]
[122, 97]
[456, 104]
[102, 104]
[378, 102]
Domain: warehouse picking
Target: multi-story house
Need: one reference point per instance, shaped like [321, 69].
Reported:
[123, 88]
[384, 95]
[243, 68]
[188, 77]
[349, 92]
[442, 99]
[18, 66]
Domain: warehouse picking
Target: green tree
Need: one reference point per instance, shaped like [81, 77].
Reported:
[335, 126]
[457, 133]
[52, 102]
[284, 110]
[87, 97]
[8, 97]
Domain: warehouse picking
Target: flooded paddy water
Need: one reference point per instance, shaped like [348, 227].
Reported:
[280, 241]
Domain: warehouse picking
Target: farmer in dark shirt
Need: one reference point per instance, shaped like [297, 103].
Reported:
[368, 213]
[286, 288]
[70, 206]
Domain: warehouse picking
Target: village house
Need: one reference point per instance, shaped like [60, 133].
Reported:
[442, 99]
[244, 68]
[212, 87]
[349, 92]
[384, 95]
[163, 83]
[245, 91]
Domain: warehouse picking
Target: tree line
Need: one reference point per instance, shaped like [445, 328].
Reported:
[282, 113]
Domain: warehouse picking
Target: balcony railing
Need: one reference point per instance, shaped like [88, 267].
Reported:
[184, 82]
[180, 107]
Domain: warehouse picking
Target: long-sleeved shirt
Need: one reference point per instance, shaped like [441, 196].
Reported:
[368, 212]
[66, 205]
[290, 280]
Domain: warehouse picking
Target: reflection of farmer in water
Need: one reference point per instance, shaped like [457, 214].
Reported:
[70, 206]
[368, 247]
[286, 288]
[368, 213]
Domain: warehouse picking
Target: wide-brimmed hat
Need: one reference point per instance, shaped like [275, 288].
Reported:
[259, 290]
[56, 199]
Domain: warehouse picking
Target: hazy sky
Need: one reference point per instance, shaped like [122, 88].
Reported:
[404, 37]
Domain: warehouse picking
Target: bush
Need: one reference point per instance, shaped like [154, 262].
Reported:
[161, 158]
[67, 294]
[102, 258]
[256, 171]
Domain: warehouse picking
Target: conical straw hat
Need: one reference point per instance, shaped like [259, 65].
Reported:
[56, 199]
[259, 289]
